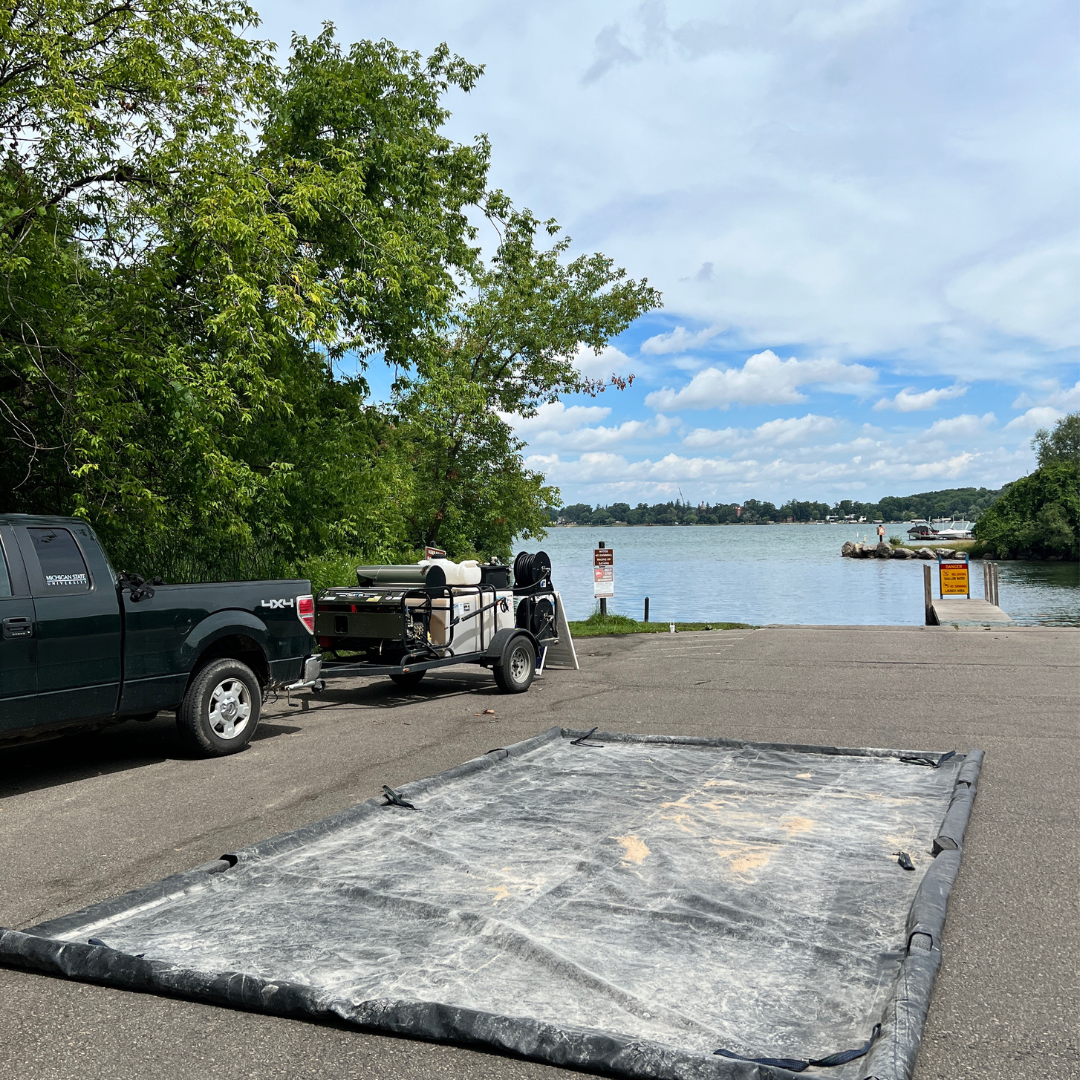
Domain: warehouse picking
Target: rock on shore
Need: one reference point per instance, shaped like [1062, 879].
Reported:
[854, 550]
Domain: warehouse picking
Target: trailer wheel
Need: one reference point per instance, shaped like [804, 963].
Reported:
[514, 675]
[408, 678]
[221, 708]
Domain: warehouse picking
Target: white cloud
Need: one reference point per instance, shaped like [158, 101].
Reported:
[555, 417]
[702, 438]
[1041, 416]
[796, 429]
[576, 427]
[609, 361]
[910, 400]
[965, 426]
[1033, 294]
[849, 189]
[947, 469]
[779, 432]
[679, 340]
[764, 379]
[1052, 394]
[585, 438]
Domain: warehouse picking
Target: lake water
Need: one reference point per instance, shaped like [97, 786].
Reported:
[779, 574]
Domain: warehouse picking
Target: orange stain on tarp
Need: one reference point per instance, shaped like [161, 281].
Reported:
[635, 849]
[743, 859]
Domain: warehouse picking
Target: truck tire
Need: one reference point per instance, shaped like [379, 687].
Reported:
[514, 673]
[221, 708]
[408, 678]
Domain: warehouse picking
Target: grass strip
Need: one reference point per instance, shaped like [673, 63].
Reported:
[597, 625]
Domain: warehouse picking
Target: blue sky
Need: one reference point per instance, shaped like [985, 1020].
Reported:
[862, 216]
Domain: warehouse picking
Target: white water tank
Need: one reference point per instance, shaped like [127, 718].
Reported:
[463, 573]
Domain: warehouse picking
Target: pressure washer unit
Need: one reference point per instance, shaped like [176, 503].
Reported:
[404, 620]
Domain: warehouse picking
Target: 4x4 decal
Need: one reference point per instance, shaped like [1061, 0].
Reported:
[277, 604]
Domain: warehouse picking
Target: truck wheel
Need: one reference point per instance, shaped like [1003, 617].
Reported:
[408, 678]
[514, 675]
[221, 709]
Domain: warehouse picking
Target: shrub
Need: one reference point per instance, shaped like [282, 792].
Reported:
[1037, 517]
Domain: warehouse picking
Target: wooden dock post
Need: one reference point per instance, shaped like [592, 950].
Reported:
[991, 583]
[960, 611]
[646, 609]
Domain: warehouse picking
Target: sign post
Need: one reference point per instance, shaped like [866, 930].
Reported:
[603, 575]
[953, 577]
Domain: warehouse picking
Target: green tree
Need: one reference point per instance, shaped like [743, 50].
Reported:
[1038, 516]
[504, 350]
[1060, 444]
[190, 238]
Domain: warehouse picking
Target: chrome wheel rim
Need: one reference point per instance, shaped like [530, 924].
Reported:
[230, 708]
[519, 664]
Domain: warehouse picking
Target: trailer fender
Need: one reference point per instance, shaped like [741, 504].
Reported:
[494, 652]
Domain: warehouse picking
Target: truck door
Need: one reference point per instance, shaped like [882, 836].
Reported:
[78, 623]
[18, 644]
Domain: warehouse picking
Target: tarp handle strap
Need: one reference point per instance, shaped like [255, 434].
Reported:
[933, 763]
[581, 741]
[394, 798]
[798, 1065]
[498, 750]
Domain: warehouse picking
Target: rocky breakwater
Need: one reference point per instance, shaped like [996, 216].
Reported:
[853, 550]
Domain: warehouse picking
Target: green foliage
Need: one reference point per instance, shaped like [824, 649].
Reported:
[191, 236]
[1060, 444]
[1037, 517]
[505, 349]
[597, 625]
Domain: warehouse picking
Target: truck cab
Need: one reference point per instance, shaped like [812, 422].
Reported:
[82, 646]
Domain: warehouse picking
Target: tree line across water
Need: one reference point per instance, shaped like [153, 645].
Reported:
[1037, 516]
[968, 503]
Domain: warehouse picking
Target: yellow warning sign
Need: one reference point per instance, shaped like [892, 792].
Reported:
[954, 579]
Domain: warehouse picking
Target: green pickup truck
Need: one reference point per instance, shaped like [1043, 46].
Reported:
[83, 647]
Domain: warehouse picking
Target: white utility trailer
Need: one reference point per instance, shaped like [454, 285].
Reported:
[403, 621]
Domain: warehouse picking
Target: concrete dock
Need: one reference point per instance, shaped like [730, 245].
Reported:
[87, 817]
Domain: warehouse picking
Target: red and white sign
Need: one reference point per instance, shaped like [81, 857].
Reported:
[434, 553]
[603, 573]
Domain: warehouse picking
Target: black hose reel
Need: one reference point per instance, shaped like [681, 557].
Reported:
[531, 570]
[536, 611]
[537, 614]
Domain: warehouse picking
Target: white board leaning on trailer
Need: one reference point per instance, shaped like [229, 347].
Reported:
[563, 653]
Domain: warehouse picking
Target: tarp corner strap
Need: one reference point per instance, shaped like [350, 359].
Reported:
[580, 741]
[394, 798]
[798, 1065]
[933, 763]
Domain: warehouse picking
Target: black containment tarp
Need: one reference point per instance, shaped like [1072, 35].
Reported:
[626, 904]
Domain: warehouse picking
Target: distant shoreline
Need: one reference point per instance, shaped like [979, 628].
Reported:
[713, 524]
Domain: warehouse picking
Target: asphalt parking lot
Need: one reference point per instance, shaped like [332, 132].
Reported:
[87, 817]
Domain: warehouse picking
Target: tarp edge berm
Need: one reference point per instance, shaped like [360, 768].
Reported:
[890, 1057]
